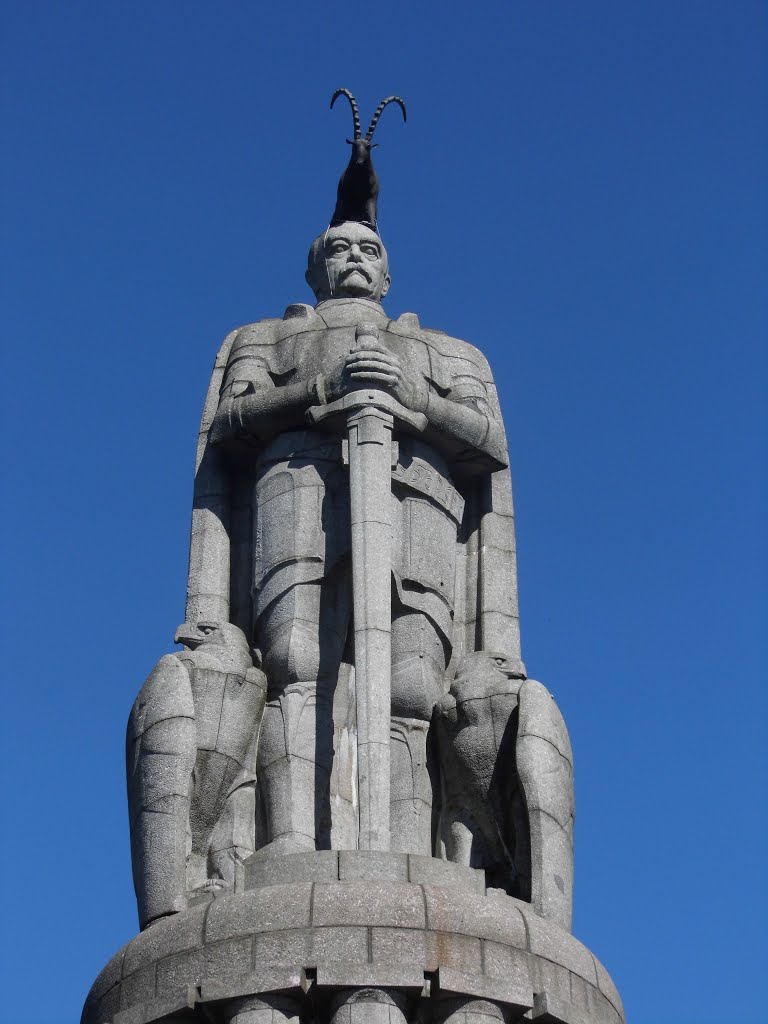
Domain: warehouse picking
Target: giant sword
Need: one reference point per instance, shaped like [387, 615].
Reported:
[370, 416]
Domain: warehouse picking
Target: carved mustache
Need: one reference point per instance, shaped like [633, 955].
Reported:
[356, 268]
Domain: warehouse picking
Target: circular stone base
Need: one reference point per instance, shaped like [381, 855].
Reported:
[312, 925]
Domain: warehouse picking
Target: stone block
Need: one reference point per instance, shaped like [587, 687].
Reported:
[306, 947]
[599, 1010]
[177, 972]
[516, 995]
[263, 979]
[228, 959]
[372, 865]
[549, 1009]
[431, 871]
[500, 961]
[169, 935]
[579, 998]
[222, 960]
[552, 943]
[259, 910]
[495, 919]
[103, 1009]
[138, 987]
[318, 866]
[389, 904]
[109, 975]
[551, 978]
[159, 1009]
[426, 948]
[396, 974]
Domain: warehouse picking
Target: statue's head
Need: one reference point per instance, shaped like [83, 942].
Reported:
[348, 261]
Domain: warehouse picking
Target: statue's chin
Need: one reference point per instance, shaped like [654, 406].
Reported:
[354, 286]
[354, 293]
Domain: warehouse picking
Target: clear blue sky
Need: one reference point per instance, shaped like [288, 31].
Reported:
[580, 190]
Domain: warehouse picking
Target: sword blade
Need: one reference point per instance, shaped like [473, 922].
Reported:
[369, 435]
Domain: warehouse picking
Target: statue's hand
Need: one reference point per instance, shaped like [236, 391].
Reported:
[374, 364]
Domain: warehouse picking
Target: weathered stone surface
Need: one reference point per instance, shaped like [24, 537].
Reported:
[389, 904]
[263, 1009]
[552, 943]
[222, 960]
[266, 869]
[139, 987]
[264, 979]
[373, 865]
[109, 975]
[357, 934]
[431, 871]
[516, 995]
[260, 910]
[428, 948]
[175, 1010]
[171, 935]
[312, 946]
[497, 920]
[368, 1004]
[467, 1010]
[394, 974]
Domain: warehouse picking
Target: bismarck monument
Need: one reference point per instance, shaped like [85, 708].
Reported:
[348, 803]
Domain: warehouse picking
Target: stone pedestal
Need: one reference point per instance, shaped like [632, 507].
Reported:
[355, 937]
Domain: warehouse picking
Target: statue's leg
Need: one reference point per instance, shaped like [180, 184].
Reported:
[301, 635]
[418, 670]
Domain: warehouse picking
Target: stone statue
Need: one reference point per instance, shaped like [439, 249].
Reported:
[191, 762]
[347, 801]
[287, 577]
[507, 777]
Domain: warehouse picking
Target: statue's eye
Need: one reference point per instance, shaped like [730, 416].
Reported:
[499, 661]
[371, 250]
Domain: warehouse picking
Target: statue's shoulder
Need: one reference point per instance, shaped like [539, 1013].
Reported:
[444, 348]
[297, 318]
[259, 338]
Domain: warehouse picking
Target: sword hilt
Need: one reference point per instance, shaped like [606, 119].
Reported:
[367, 398]
[371, 398]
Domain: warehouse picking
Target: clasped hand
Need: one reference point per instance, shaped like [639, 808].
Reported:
[374, 364]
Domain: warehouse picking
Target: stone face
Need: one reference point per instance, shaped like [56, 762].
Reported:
[347, 802]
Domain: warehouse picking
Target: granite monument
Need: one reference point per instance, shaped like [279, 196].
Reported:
[347, 800]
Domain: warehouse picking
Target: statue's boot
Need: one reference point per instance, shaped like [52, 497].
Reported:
[160, 751]
[294, 767]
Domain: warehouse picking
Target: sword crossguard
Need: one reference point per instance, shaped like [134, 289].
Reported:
[368, 398]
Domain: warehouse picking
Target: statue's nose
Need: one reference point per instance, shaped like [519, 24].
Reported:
[355, 253]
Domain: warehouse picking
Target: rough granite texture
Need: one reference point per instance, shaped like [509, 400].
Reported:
[429, 942]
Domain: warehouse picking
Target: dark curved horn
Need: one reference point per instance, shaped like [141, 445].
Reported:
[353, 104]
[378, 112]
